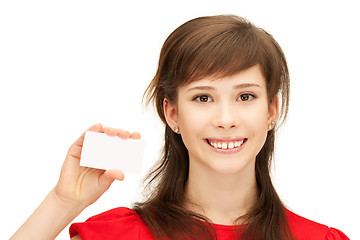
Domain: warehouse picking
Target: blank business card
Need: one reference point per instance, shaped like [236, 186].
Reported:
[112, 152]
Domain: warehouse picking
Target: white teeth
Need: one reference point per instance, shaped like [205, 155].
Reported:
[224, 145]
[237, 143]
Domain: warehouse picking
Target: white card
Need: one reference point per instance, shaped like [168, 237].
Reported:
[112, 152]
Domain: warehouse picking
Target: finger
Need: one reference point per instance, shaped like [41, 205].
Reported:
[94, 128]
[123, 134]
[115, 174]
[110, 131]
[75, 151]
[135, 135]
[108, 178]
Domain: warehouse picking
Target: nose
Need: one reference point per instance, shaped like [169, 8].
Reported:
[225, 117]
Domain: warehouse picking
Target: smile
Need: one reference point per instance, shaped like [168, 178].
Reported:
[226, 143]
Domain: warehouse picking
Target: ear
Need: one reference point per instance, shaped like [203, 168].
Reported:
[274, 109]
[170, 112]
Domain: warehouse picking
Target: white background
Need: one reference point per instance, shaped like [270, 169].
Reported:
[66, 65]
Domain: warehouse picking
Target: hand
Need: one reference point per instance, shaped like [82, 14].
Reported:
[79, 185]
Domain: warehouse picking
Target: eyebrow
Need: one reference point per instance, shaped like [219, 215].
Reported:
[246, 85]
[238, 86]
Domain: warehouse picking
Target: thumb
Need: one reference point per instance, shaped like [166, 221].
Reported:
[108, 177]
[115, 174]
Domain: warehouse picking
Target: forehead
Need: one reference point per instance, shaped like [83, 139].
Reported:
[250, 77]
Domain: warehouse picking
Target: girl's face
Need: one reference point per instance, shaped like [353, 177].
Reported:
[223, 122]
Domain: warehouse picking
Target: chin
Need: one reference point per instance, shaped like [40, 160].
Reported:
[228, 167]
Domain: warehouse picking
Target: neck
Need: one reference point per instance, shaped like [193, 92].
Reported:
[222, 198]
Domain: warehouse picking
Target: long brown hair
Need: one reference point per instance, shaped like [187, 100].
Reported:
[215, 46]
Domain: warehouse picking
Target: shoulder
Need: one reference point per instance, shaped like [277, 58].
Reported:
[305, 229]
[117, 223]
[116, 214]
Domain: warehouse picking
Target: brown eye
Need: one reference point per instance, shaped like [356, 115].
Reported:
[203, 98]
[246, 97]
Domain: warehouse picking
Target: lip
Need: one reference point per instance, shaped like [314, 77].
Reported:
[226, 140]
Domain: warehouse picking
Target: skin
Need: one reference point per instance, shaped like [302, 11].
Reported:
[77, 188]
[223, 184]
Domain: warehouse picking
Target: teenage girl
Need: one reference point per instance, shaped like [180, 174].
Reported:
[221, 88]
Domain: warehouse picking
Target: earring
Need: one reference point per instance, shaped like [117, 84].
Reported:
[271, 125]
[176, 129]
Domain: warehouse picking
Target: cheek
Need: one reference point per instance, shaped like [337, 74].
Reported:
[192, 124]
[190, 121]
[258, 123]
[257, 126]
[258, 113]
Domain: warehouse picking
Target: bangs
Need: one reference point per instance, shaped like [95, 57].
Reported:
[216, 50]
[217, 47]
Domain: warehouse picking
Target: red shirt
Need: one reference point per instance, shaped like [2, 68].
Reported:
[124, 223]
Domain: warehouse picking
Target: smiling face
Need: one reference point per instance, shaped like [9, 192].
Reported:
[223, 122]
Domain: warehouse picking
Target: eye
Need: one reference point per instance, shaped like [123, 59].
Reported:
[203, 98]
[246, 97]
